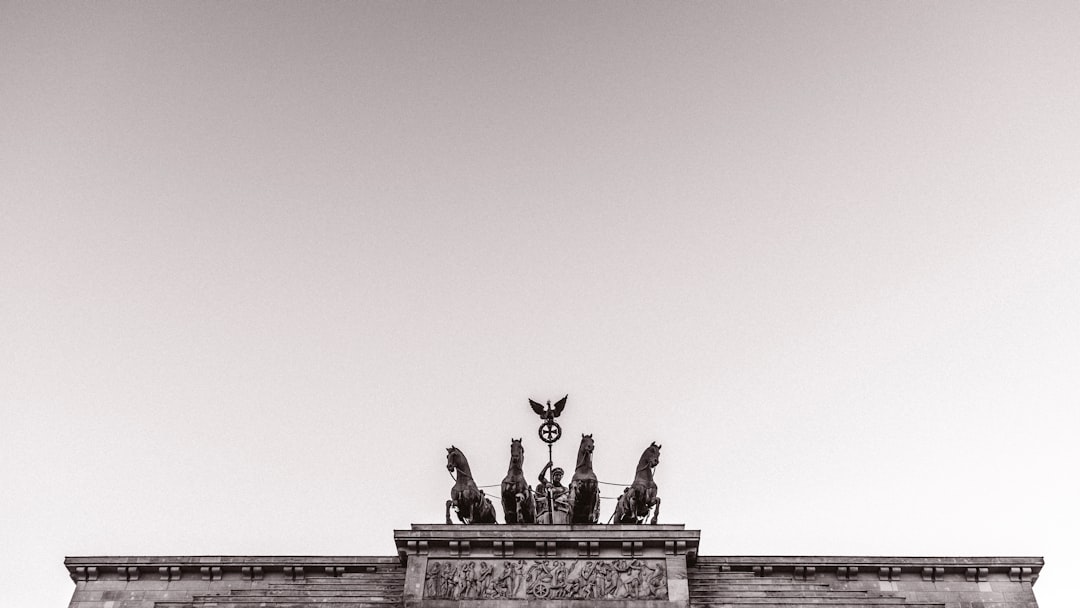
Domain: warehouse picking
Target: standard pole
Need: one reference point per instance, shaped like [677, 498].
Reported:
[550, 498]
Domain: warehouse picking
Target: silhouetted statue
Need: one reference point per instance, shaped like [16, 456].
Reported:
[470, 503]
[517, 497]
[551, 412]
[633, 506]
[584, 495]
[558, 495]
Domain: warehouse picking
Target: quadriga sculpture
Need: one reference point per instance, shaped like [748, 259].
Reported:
[517, 496]
[470, 503]
[584, 496]
[633, 506]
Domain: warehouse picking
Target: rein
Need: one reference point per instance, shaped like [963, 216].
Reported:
[643, 474]
[460, 473]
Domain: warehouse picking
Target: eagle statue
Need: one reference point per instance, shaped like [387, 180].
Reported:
[551, 412]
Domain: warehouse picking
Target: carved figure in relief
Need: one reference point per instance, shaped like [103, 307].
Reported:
[461, 591]
[450, 579]
[556, 579]
[584, 495]
[655, 583]
[545, 579]
[519, 578]
[456, 582]
[484, 583]
[477, 572]
[517, 496]
[468, 570]
[433, 580]
[630, 578]
[586, 585]
[465, 497]
[571, 586]
[538, 580]
[637, 500]
[566, 579]
[505, 584]
[610, 577]
[587, 581]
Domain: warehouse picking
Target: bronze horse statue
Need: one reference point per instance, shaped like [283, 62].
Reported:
[633, 506]
[517, 496]
[470, 503]
[584, 496]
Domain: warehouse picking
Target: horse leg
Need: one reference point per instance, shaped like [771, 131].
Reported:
[484, 511]
[656, 510]
[524, 515]
[510, 507]
[630, 513]
[449, 503]
[596, 506]
[528, 510]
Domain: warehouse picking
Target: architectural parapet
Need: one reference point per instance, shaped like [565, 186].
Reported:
[971, 569]
[582, 540]
[555, 567]
[626, 566]
[212, 568]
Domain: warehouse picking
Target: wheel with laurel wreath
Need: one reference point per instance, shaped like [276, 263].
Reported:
[550, 431]
[541, 590]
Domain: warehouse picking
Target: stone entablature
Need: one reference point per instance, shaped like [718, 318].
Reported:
[547, 541]
[931, 569]
[216, 568]
[629, 566]
[868, 582]
[553, 567]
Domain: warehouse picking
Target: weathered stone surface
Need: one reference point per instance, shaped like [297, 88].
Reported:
[878, 581]
[644, 563]
[285, 581]
[657, 567]
[543, 579]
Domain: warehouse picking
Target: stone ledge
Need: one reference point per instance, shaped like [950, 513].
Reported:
[966, 562]
[247, 560]
[972, 569]
[215, 568]
[547, 540]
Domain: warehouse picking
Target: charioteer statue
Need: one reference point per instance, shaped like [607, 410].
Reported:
[552, 500]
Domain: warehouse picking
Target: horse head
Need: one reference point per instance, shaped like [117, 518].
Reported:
[651, 456]
[455, 459]
[517, 453]
[587, 444]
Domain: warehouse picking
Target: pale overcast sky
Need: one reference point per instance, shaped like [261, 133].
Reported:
[261, 262]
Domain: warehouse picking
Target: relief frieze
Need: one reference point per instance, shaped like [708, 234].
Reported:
[572, 579]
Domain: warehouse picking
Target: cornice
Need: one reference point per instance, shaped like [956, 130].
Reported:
[216, 567]
[547, 540]
[885, 568]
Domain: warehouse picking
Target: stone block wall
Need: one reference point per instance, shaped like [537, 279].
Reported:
[929, 582]
[235, 581]
[519, 566]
